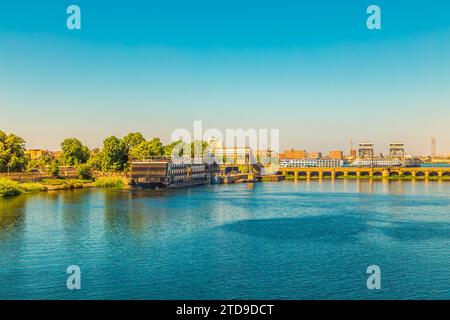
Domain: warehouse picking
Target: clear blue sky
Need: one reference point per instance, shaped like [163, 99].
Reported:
[310, 68]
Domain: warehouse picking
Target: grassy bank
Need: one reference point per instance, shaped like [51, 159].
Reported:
[10, 188]
[65, 184]
[109, 182]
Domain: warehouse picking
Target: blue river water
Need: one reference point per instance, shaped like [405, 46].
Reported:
[286, 240]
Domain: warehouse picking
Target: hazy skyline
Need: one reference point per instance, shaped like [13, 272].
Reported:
[312, 70]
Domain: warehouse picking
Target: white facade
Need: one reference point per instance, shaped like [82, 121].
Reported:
[317, 163]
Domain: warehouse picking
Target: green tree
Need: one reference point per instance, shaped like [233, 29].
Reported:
[53, 168]
[84, 171]
[114, 154]
[4, 157]
[157, 148]
[133, 139]
[95, 161]
[198, 148]
[147, 149]
[17, 164]
[170, 147]
[12, 153]
[74, 152]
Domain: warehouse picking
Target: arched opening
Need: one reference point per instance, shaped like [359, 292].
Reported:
[302, 173]
[314, 174]
[352, 173]
[327, 174]
[339, 174]
[378, 174]
[407, 174]
[446, 174]
[433, 174]
[364, 174]
[420, 174]
[394, 174]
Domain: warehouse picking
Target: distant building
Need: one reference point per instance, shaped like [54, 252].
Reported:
[387, 162]
[316, 163]
[435, 165]
[234, 155]
[33, 154]
[266, 157]
[214, 144]
[365, 150]
[315, 155]
[238, 155]
[396, 150]
[382, 162]
[336, 154]
[56, 154]
[395, 158]
[293, 154]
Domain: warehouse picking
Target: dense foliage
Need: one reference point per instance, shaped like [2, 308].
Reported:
[115, 154]
[12, 153]
[74, 152]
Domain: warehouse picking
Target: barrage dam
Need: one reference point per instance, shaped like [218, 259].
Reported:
[365, 172]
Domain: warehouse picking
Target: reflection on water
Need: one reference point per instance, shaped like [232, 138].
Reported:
[12, 215]
[305, 239]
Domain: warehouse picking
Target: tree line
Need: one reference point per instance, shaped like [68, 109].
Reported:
[116, 154]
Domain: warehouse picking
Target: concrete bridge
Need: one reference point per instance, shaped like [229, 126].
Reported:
[358, 172]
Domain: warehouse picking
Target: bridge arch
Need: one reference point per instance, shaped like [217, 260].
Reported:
[314, 174]
[420, 174]
[339, 174]
[326, 174]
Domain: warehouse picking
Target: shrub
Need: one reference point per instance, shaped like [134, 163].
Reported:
[109, 182]
[84, 172]
[9, 188]
[53, 169]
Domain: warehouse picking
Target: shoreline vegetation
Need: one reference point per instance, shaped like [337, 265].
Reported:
[10, 188]
[115, 155]
[112, 159]
[108, 166]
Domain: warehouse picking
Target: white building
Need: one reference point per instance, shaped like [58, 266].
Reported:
[316, 163]
[386, 162]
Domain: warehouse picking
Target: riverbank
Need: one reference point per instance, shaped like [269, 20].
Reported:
[9, 188]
